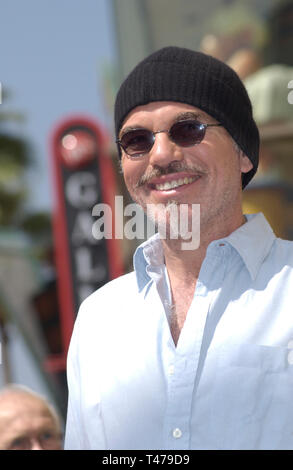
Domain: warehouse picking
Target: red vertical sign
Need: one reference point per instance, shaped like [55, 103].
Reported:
[83, 176]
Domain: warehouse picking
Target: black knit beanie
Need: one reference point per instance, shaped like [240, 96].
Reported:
[182, 75]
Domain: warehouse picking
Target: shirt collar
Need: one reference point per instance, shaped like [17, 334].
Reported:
[253, 241]
[148, 253]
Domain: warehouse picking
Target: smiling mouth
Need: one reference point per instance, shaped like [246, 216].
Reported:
[166, 186]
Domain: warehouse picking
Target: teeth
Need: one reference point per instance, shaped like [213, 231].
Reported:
[174, 183]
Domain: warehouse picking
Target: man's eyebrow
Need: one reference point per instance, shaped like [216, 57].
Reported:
[186, 115]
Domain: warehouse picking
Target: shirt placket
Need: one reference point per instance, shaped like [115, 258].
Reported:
[181, 376]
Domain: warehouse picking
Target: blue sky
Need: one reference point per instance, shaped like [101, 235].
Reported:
[52, 57]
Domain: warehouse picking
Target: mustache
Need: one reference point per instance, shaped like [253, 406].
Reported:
[173, 167]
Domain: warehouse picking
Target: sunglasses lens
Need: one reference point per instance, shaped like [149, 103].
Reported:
[137, 142]
[187, 133]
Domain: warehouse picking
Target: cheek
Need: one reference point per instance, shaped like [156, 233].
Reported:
[226, 174]
[132, 172]
[130, 180]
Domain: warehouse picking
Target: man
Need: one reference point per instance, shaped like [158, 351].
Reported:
[27, 421]
[189, 351]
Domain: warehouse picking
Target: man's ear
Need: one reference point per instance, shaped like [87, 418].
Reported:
[245, 164]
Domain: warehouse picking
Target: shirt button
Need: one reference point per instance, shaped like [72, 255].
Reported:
[171, 369]
[177, 433]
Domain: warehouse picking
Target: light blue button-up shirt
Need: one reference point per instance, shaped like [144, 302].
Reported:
[229, 382]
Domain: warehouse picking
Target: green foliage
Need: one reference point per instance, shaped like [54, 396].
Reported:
[37, 225]
[9, 206]
[13, 151]
[15, 158]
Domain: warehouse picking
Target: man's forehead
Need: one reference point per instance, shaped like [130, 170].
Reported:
[26, 418]
[14, 404]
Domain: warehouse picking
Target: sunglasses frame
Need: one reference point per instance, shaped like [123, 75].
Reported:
[202, 126]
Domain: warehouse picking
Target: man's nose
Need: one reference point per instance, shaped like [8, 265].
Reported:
[164, 151]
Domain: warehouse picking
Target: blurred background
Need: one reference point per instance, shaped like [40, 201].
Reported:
[62, 59]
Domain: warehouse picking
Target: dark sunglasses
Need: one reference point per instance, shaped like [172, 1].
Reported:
[186, 133]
